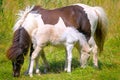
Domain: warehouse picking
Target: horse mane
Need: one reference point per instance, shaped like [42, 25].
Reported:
[20, 44]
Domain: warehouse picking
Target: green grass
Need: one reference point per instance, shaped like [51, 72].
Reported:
[109, 59]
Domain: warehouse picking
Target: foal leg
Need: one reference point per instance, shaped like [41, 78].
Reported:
[47, 67]
[37, 65]
[69, 48]
[66, 61]
[33, 56]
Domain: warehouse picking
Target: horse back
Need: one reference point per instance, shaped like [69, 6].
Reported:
[73, 15]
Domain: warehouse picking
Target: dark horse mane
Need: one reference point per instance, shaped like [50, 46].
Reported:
[20, 44]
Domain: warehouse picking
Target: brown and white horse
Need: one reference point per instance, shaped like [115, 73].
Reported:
[90, 21]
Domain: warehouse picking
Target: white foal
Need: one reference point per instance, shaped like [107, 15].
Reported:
[57, 34]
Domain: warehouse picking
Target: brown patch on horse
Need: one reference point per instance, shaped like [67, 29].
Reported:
[20, 44]
[73, 15]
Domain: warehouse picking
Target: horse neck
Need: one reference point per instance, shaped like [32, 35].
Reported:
[30, 29]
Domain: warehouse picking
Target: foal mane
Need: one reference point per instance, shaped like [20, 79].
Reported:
[20, 44]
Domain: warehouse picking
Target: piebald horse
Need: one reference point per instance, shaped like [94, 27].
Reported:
[90, 21]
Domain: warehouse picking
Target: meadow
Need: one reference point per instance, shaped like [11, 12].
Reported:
[109, 59]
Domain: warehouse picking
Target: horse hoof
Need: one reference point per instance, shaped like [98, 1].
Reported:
[65, 69]
[45, 71]
[83, 66]
[68, 71]
[96, 67]
[31, 75]
[38, 74]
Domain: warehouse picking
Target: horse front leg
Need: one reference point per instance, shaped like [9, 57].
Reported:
[31, 51]
[69, 48]
[33, 57]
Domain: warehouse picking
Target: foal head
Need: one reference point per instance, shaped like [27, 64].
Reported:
[18, 49]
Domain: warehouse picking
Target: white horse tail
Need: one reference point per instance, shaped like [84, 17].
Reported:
[22, 15]
[102, 27]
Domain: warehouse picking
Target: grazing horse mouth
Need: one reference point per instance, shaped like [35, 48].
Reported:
[17, 64]
[16, 74]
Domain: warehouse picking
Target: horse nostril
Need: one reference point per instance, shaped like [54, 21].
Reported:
[16, 74]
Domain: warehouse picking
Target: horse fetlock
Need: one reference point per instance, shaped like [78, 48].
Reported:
[68, 70]
[37, 71]
[34, 56]
[96, 66]
[65, 69]
[31, 75]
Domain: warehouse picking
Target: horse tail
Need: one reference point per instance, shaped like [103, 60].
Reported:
[21, 39]
[22, 15]
[102, 28]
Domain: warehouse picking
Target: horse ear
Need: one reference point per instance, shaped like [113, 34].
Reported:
[60, 23]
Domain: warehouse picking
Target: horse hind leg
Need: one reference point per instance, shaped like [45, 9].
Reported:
[95, 56]
[94, 51]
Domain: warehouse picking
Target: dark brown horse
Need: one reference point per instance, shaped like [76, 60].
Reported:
[90, 21]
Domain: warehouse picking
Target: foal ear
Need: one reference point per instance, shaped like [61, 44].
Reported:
[60, 23]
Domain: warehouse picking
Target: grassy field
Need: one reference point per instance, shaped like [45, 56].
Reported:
[109, 59]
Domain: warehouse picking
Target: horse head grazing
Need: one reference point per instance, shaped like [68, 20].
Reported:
[18, 49]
